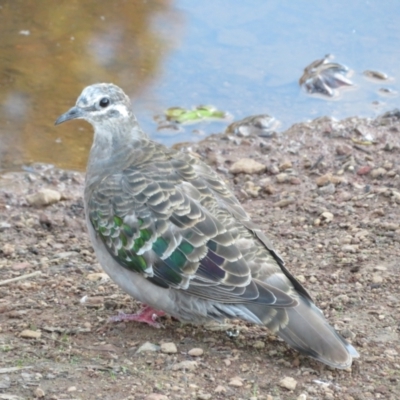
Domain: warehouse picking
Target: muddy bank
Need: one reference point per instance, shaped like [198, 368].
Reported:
[327, 193]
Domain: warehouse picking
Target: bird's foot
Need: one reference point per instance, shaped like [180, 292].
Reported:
[147, 315]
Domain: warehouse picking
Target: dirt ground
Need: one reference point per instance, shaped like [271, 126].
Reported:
[328, 195]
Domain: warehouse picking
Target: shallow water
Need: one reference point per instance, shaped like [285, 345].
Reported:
[243, 57]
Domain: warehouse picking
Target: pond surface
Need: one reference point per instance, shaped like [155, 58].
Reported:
[242, 57]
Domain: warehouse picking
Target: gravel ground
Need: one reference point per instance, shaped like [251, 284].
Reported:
[326, 192]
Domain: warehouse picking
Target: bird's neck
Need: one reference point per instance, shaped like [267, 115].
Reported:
[113, 147]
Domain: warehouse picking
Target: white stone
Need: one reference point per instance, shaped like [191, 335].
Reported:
[168, 348]
[247, 166]
[288, 383]
[44, 197]
[147, 347]
[185, 365]
[196, 352]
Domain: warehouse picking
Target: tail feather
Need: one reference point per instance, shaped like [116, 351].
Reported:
[305, 329]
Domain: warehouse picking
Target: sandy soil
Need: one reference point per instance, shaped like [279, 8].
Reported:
[328, 196]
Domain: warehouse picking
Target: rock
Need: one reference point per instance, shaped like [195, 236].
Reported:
[269, 189]
[285, 202]
[323, 179]
[313, 279]
[147, 347]
[287, 164]
[196, 352]
[8, 249]
[328, 189]
[236, 382]
[327, 216]
[44, 197]
[39, 392]
[220, 389]
[301, 278]
[156, 396]
[185, 365]
[282, 177]
[273, 169]
[288, 383]
[168, 348]
[376, 278]
[364, 170]
[378, 173]
[204, 396]
[343, 150]
[21, 265]
[251, 189]
[258, 344]
[348, 248]
[71, 389]
[29, 334]
[247, 166]
[97, 276]
[303, 396]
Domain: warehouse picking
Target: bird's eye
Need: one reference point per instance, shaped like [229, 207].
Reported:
[104, 102]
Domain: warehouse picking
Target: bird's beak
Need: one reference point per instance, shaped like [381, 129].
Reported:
[73, 113]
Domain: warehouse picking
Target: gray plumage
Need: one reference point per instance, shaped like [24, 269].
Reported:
[169, 232]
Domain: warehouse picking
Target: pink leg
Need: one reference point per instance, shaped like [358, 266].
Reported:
[147, 315]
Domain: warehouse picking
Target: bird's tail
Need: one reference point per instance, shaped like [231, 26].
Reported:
[305, 329]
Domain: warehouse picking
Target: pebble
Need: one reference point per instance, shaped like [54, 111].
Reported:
[378, 173]
[97, 276]
[156, 396]
[364, 170]
[327, 216]
[39, 392]
[21, 265]
[282, 177]
[348, 248]
[236, 382]
[247, 166]
[147, 347]
[323, 179]
[29, 334]
[251, 189]
[343, 150]
[204, 396]
[71, 389]
[220, 389]
[258, 344]
[196, 352]
[185, 365]
[285, 202]
[287, 164]
[328, 189]
[44, 197]
[377, 278]
[8, 249]
[301, 278]
[303, 396]
[168, 348]
[273, 169]
[288, 383]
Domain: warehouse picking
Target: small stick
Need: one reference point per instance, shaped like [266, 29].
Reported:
[319, 159]
[19, 278]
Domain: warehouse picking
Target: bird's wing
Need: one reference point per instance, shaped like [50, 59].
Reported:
[172, 219]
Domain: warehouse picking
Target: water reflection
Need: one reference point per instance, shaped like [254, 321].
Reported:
[50, 52]
[244, 58]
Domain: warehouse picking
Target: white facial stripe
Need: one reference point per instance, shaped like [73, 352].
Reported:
[121, 109]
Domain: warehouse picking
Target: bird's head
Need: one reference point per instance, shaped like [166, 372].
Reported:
[99, 104]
